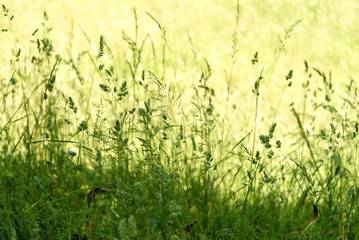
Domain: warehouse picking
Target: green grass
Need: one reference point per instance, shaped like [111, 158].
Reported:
[187, 131]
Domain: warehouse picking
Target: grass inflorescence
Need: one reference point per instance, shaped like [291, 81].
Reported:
[99, 145]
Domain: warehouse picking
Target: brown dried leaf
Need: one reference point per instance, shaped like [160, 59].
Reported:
[315, 216]
[92, 194]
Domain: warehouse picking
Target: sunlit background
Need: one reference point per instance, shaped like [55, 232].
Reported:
[327, 37]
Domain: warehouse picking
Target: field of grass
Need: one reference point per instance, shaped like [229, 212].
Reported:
[179, 120]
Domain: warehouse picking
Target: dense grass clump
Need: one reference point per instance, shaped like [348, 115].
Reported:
[99, 145]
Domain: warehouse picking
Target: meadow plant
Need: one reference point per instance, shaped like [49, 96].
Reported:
[98, 145]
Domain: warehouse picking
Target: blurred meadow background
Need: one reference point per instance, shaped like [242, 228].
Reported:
[179, 119]
[326, 37]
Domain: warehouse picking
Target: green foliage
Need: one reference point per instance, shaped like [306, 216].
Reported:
[118, 149]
